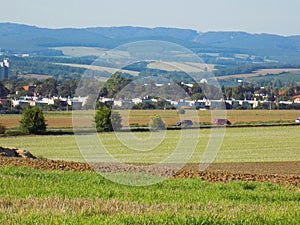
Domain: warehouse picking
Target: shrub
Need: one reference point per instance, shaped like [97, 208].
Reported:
[106, 120]
[33, 121]
[2, 129]
[157, 124]
[14, 133]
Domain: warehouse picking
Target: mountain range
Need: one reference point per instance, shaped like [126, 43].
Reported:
[19, 38]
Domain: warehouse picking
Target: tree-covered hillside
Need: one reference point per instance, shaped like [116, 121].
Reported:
[17, 38]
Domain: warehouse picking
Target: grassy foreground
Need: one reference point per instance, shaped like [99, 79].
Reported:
[29, 196]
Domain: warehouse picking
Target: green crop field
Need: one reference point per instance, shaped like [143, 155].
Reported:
[29, 196]
[263, 144]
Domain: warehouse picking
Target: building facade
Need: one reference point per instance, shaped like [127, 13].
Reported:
[5, 69]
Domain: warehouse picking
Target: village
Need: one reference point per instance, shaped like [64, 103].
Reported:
[80, 102]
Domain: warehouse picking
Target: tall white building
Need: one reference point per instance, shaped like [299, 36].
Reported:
[5, 66]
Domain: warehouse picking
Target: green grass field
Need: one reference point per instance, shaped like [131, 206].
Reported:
[263, 144]
[29, 196]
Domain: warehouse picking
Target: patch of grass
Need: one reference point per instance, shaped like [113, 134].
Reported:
[44, 197]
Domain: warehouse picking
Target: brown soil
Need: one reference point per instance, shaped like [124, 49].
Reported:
[286, 173]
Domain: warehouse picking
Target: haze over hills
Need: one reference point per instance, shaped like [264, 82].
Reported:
[17, 38]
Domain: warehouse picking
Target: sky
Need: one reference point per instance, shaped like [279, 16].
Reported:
[254, 16]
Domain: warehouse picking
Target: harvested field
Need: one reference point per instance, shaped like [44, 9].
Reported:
[54, 120]
[188, 67]
[262, 72]
[64, 119]
[99, 68]
[287, 173]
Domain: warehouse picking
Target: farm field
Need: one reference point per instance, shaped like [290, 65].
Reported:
[64, 119]
[76, 51]
[254, 179]
[261, 72]
[284, 77]
[99, 68]
[263, 144]
[184, 66]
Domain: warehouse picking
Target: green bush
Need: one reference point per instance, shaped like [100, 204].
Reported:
[2, 129]
[157, 123]
[106, 120]
[33, 121]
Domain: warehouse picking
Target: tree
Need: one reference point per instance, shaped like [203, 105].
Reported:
[157, 123]
[48, 87]
[196, 89]
[33, 121]
[198, 96]
[106, 120]
[3, 91]
[67, 88]
[114, 85]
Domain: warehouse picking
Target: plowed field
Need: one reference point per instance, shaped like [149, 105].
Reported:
[286, 173]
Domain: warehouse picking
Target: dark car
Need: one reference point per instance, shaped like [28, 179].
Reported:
[222, 122]
[184, 123]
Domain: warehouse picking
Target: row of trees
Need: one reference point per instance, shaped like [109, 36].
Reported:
[48, 87]
[119, 87]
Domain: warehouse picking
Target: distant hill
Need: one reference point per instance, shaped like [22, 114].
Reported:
[17, 38]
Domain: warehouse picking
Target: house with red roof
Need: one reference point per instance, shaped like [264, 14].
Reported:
[296, 99]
